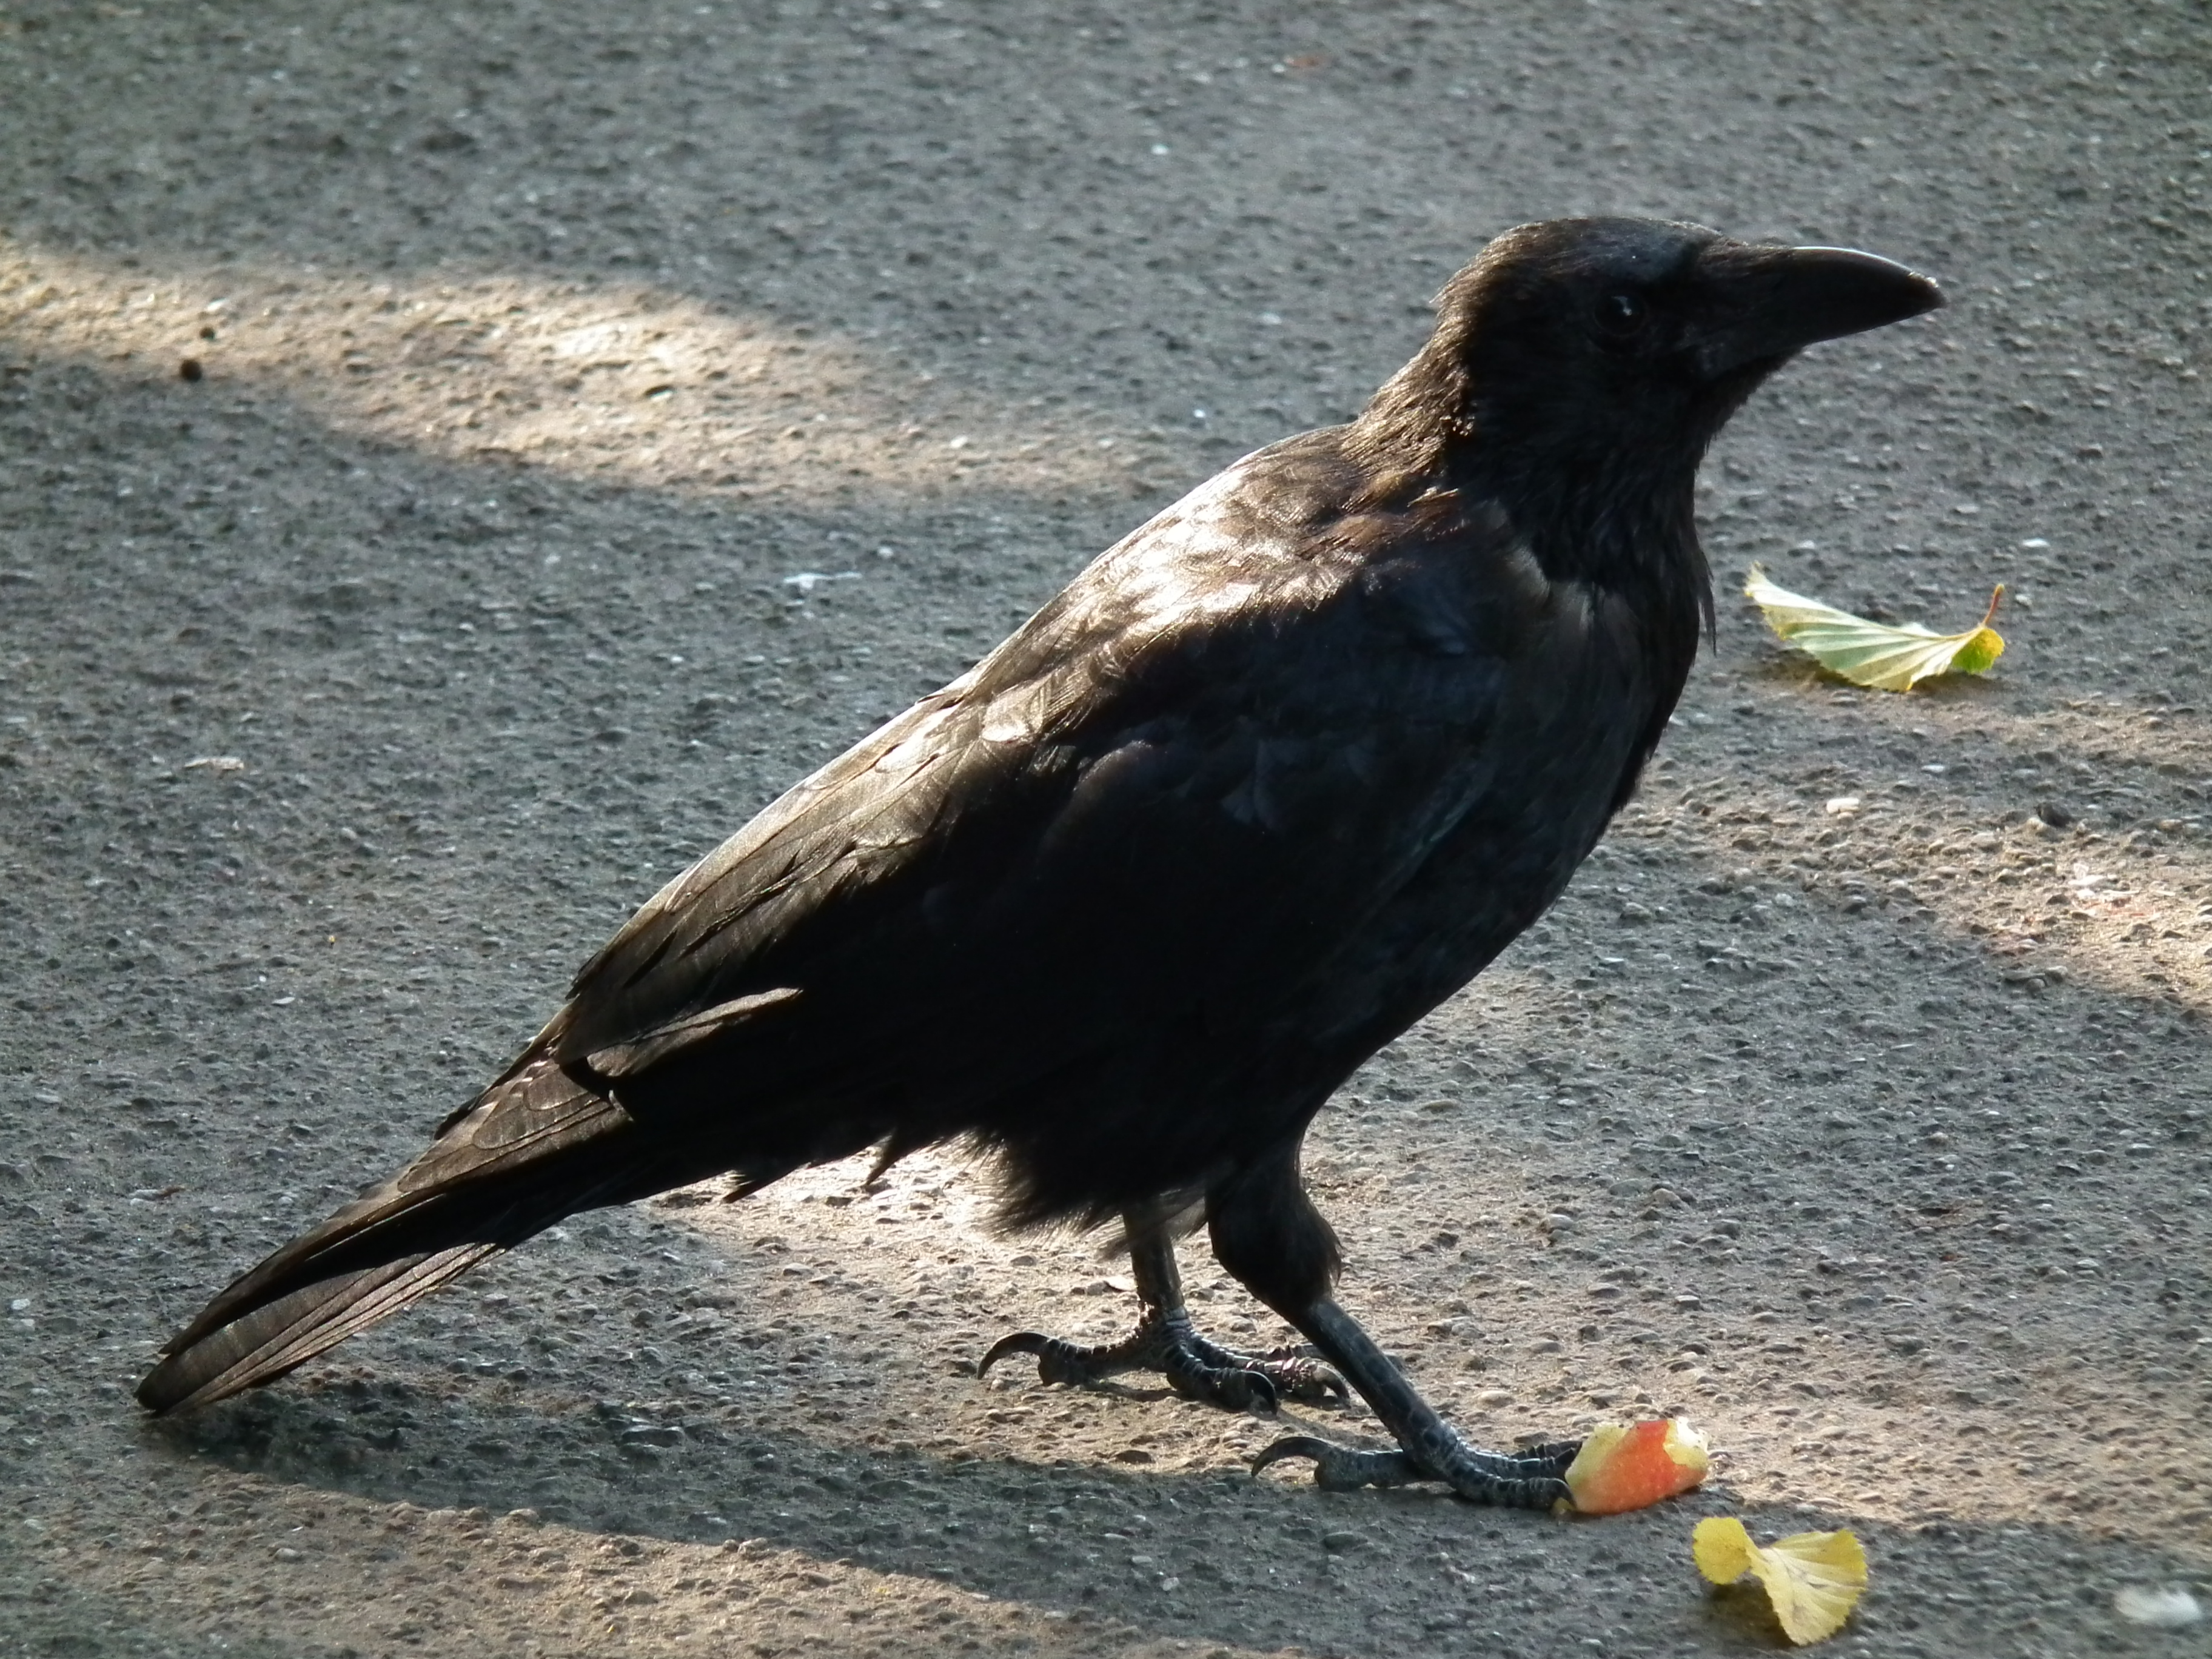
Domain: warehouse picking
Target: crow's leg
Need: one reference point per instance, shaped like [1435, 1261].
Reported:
[1430, 1449]
[1269, 1236]
[1165, 1341]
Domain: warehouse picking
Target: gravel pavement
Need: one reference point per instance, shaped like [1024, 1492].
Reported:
[456, 464]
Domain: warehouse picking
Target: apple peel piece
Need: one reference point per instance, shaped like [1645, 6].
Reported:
[1631, 1466]
[1814, 1578]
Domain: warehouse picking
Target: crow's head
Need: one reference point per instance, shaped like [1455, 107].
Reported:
[1625, 344]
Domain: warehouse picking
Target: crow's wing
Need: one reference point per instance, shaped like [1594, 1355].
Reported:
[1190, 776]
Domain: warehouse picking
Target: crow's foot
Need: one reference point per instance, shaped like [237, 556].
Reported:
[1164, 1341]
[1429, 1449]
[1531, 1479]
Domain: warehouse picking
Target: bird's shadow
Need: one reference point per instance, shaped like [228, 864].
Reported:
[1028, 1533]
[1043, 1535]
[684, 1471]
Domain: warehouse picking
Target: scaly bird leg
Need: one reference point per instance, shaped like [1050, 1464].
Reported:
[1166, 1341]
[1268, 1233]
[1429, 1448]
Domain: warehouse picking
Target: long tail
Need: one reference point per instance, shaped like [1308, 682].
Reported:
[534, 1147]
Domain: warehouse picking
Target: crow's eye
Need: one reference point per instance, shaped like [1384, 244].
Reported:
[1622, 315]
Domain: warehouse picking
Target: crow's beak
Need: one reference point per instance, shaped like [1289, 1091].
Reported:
[1766, 302]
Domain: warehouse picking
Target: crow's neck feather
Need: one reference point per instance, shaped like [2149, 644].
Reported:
[1595, 503]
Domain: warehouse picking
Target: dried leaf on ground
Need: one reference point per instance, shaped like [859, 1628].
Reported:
[1814, 1578]
[1885, 656]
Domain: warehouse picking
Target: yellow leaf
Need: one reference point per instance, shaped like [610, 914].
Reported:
[1888, 657]
[1814, 1578]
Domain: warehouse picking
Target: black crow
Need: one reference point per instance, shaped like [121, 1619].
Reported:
[1127, 901]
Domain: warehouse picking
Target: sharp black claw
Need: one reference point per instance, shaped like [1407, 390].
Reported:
[1032, 1342]
[1251, 1391]
[1297, 1445]
[1343, 1469]
[1310, 1378]
[1194, 1367]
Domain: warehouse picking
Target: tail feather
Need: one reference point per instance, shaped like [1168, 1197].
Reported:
[537, 1147]
[260, 1346]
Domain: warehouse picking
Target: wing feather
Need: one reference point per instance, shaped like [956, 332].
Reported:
[1133, 774]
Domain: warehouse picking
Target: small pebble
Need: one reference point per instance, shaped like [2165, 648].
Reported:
[2162, 1609]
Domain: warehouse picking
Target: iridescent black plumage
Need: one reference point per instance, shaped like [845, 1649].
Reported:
[1130, 899]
